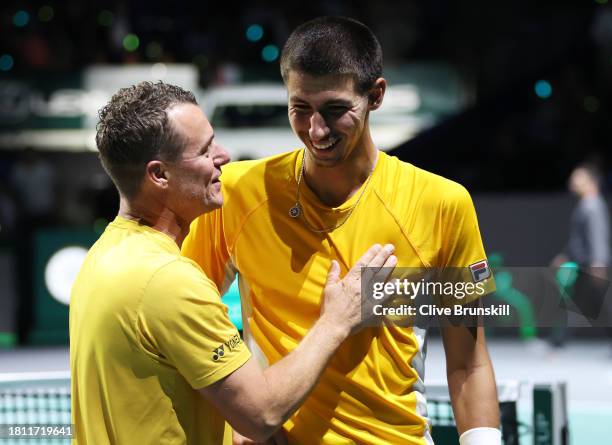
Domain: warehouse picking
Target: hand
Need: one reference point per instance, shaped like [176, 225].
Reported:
[558, 260]
[279, 438]
[598, 271]
[342, 302]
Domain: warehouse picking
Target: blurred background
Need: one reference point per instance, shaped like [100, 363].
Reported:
[504, 97]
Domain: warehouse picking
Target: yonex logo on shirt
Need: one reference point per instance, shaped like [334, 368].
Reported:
[231, 344]
[218, 353]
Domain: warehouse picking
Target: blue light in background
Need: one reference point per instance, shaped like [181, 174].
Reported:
[270, 53]
[6, 62]
[543, 89]
[21, 18]
[254, 33]
[232, 300]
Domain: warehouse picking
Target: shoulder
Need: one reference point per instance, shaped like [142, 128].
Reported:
[253, 172]
[439, 188]
[596, 204]
[410, 186]
[246, 184]
[178, 279]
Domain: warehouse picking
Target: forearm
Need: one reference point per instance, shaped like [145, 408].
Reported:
[474, 394]
[257, 402]
[290, 380]
[471, 381]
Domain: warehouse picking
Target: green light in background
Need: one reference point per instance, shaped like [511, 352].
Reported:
[99, 225]
[269, 53]
[566, 274]
[601, 2]
[543, 89]
[131, 42]
[21, 18]
[45, 13]
[7, 339]
[106, 18]
[154, 50]
[6, 62]
[254, 33]
[591, 104]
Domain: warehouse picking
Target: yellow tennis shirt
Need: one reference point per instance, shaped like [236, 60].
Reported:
[372, 392]
[147, 328]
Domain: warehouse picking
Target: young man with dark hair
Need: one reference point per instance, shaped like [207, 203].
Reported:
[154, 357]
[326, 202]
[334, 45]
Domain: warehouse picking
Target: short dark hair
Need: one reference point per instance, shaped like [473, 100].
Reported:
[334, 45]
[134, 129]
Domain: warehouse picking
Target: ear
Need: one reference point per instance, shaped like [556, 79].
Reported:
[377, 93]
[156, 174]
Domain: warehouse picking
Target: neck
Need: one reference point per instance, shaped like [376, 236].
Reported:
[335, 185]
[153, 214]
[589, 193]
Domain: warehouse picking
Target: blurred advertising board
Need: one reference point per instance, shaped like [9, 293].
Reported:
[59, 111]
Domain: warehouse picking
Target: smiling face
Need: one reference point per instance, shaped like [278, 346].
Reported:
[194, 177]
[329, 116]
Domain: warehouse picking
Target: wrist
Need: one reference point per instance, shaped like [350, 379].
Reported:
[334, 328]
[481, 436]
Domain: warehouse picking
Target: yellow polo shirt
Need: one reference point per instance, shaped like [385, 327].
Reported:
[372, 390]
[147, 329]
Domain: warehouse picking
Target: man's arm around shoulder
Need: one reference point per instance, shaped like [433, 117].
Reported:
[256, 403]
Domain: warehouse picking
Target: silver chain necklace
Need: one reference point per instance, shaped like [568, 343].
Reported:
[296, 210]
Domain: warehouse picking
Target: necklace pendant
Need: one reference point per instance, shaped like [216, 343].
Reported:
[295, 211]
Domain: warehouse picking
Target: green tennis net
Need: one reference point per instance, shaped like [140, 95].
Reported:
[30, 404]
[529, 413]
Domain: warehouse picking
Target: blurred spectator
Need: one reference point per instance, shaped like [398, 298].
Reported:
[34, 185]
[589, 237]
[588, 245]
[8, 213]
[33, 181]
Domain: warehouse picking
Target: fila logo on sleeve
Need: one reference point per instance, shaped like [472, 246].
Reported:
[480, 270]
